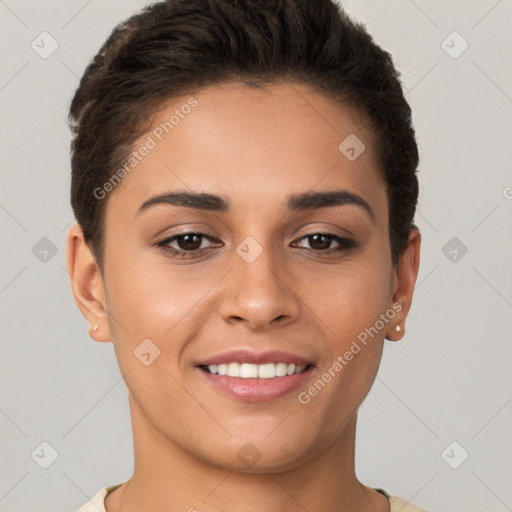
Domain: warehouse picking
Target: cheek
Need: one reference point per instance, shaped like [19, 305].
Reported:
[157, 301]
[350, 297]
[148, 293]
[349, 300]
[349, 305]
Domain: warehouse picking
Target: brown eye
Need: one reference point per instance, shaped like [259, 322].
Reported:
[189, 242]
[321, 242]
[186, 244]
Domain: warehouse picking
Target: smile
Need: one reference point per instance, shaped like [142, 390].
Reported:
[254, 371]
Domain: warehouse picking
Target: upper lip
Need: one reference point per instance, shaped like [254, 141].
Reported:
[248, 356]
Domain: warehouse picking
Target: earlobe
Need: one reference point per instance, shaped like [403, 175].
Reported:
[87, 284]
[405, 276]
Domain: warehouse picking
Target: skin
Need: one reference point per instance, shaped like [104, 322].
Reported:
[254, 147]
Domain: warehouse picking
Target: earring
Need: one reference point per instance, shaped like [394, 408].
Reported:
[398, 328]
[95, 328]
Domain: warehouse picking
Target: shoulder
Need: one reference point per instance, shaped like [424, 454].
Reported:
[97, 502]
[399, 504]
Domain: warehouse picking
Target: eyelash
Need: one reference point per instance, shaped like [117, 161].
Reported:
[345, 244]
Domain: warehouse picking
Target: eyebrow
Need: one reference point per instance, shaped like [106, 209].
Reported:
[296, 202]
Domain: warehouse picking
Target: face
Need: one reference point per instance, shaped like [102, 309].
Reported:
[289, 261]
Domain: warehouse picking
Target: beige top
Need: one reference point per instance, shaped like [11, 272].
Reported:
[97, 502]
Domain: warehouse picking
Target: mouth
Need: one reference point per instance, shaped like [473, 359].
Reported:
[252, 377]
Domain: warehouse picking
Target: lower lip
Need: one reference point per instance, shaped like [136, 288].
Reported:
[256, 390]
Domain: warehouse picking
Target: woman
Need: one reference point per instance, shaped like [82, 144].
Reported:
[244, 184]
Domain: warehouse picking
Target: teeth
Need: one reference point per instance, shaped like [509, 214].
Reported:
[281, 369]
[233, 370]
[290, 370]
[266, 371]
[253, 371]
[247, 371]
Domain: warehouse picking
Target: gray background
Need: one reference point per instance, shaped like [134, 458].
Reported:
[448, 380]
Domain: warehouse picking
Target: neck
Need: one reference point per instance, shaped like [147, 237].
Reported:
[167, 478]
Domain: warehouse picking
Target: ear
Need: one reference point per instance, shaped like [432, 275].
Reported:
[87, 284]
[404, 279]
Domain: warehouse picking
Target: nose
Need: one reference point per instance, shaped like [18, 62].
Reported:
[259, 294]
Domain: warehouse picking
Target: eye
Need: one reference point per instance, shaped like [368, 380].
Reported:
[321, 242]
[189, 244]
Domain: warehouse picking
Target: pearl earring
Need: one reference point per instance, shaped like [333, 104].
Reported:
[95, 328]
[398, 328]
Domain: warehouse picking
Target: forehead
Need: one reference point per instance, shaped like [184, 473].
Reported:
[255, 146]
